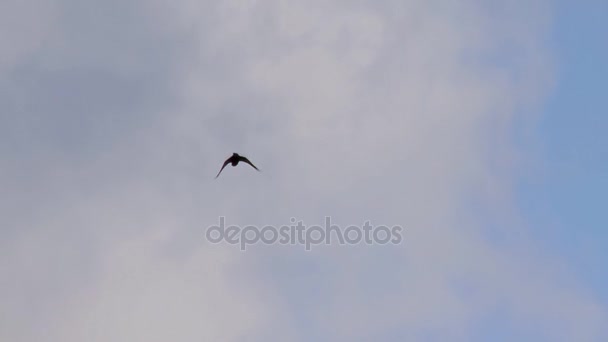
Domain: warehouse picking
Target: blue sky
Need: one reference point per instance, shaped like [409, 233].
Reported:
[477, 126]
[566, 201]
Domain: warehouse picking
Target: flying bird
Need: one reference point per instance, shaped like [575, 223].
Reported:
[234, 160]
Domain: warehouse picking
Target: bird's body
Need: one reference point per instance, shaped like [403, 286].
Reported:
[234, 161]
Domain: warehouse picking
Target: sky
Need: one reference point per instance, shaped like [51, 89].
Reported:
[476, 126]
[564, 195]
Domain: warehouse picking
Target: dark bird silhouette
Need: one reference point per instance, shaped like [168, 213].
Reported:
[234, 160]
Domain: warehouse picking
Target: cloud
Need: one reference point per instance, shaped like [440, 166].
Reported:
[394, 112]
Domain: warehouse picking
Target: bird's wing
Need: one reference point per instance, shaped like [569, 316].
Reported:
[243, 159]
[223, 166]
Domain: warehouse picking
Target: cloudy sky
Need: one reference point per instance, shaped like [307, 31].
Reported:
[477, 126]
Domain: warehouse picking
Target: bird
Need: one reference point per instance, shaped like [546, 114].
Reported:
[234, 159]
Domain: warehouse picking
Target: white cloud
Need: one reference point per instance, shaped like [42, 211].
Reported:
[383, 110]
